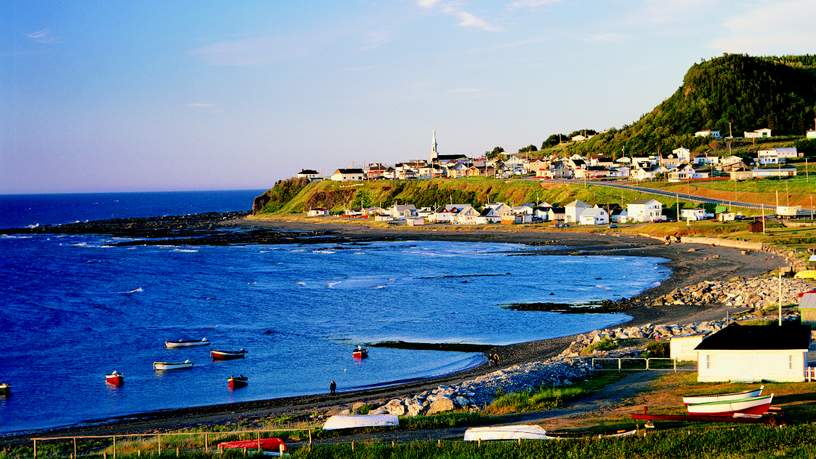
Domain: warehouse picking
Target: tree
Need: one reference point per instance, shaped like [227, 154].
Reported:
[494, 153]
[528, 148]
[552, 140]
[361, 200]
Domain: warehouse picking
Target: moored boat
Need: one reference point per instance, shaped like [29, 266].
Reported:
[115, 378]
[235, 382]
[5, 388]
[339, 422]
[512, 432]
[359, 353]
[186, 343]
[163, 366]
[696, 399]
[273, 444]
[220, 354]
[750, 405]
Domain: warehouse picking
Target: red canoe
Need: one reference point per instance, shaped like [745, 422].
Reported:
[266, 444]
[227, 355]
[115, 378]
[360, 353]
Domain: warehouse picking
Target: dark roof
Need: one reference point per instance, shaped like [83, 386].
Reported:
[755, 337]
[558, 210]
[448, 157]
[350, 171]
[307, 172]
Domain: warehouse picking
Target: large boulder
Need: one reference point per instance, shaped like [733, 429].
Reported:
[441, 405]
[413, 407]
[395, 407]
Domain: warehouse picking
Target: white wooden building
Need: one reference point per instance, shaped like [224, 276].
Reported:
[752, 353]
[594, 216]
[348, 175]
[645, 211]
[573, 211]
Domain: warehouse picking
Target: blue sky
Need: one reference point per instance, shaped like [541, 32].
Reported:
[172, 95]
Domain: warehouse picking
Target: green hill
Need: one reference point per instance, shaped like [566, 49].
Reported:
[750, 92]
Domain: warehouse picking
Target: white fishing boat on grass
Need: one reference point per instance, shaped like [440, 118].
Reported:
[750, 405]
[696, 399]
[512, 432]
[165, 366]
[356, 422]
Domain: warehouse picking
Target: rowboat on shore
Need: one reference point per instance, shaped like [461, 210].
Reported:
[186, 343]
[115, 378]
[220, 354]
[746, 406]
[272, 444]
[356, 422]
[236, 382]
[164, 366]
[359, 353]
[512, 432]
[696, 399]
[5, 388]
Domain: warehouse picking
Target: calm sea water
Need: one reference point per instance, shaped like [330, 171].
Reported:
[74, 307]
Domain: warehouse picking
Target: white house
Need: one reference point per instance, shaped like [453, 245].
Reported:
[705, 160]
[467, 216]
[682, 153]
[811, 134]
[753, 353]
[318, 212]
[693, 214]
[402, 211]
[573, 211]
[647, 210]
[758, 134]
[447, 214]
[707, 133]
[310, 174]
[683, 347]
[348, 175]
[594, 216]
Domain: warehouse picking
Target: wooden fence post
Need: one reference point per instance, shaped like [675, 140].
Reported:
[619, 364]
[207, 442]
[35, 449]
[75, 448]
[114, 446]
[647, 363]
[158, 441]
[259, 440]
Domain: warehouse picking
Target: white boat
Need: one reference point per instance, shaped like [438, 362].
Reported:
[162, 366]
[695, 399]
[186, 343]
[5, 388]
[513, 432]
[750, 405]
[356, 422]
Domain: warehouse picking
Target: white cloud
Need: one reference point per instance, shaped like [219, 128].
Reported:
[464, 17]
[532, 3]
[605, 37]
[427, 3]
[42, 36]
[774, 27]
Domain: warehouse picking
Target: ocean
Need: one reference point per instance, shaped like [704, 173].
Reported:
[73, 308]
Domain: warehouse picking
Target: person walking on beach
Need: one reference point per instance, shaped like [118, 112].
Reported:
[332, 387]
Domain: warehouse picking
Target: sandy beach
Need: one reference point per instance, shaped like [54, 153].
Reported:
[687, 267]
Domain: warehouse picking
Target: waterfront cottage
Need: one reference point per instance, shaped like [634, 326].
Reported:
[758, 134]
[594, 216]
[573, 211]
[752, 353]
[309, 174]
[645, 211]
[318, 212]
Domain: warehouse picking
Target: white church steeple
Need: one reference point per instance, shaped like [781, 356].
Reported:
[434, 152]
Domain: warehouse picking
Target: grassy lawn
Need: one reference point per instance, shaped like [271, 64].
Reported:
[547, 398]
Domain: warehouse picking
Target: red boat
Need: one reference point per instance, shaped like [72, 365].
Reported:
[360, 353]
[227, 355]
[115, 378]
[234, 382]
[266, 444]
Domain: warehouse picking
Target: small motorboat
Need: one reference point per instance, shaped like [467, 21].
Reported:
[695, 399]
[235, 382]
[5, 389]
[339, 422]
[272, 444]
[750, 405]
[186, 343]
[164, 366]
[515, 432]
[218, 354]
[115, 378]
[359, 353]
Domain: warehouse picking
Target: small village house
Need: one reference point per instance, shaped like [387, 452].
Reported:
[683, 347]
[757, 134]
[309, 174]
[402, 211]
[573, 210]
[754, 353]
[708, 133]
[682, 154]
[556, 214]
[693, 214]
[348, 175]
[594, 216]
[645, 211]
[317, 212]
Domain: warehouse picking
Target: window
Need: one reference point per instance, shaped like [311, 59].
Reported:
[708, 361]
[790, 362]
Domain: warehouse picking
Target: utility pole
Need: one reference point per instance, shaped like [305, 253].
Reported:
[780, 297]
[763, 218]
[677, 205]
